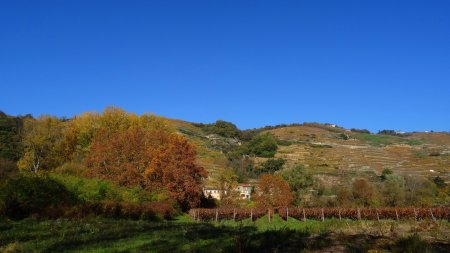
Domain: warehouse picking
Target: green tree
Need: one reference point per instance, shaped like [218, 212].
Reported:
[264, 145]
[299, 181]
[271, 165]
[222, 128]
[439, 182]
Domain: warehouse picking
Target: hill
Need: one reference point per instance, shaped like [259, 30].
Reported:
[333, 154]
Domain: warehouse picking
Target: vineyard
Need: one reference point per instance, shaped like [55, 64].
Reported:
[402, 213]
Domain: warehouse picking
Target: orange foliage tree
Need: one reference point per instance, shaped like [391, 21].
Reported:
[273, 192]
[174, 168]
[154, 159]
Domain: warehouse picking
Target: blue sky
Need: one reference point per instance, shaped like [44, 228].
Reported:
[363, 64]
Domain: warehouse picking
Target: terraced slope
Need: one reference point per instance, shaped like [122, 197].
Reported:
[336, 153]
[324, 151]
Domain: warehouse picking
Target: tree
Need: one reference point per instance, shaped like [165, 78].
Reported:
[10, 140]
[394, 190]
[419, 190]
[299, 181]
[385, 174]
[222, 128]
[262, 145]
[226, 182]
[155, 159]
[344, 197]
[122, 157]
[439, 182]
[174, 167]
[273, 192]
[363, 192]
[42, 141]
[271, 165]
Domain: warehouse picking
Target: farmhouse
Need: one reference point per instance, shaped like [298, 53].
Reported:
[244, 190]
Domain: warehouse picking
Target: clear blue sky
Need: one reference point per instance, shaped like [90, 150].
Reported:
[363, 64]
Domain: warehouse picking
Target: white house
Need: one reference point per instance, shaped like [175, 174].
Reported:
[244, 190]
[212, 192]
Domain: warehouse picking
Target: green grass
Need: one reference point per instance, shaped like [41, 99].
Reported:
[185, 235]
[383, 140]
[89, 189]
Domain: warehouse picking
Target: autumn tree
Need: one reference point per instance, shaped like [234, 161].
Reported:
[363, 192]
[121, 157]
[82, 129]
[174, 168]
[273, 192]
[42, 140]
[154, 158]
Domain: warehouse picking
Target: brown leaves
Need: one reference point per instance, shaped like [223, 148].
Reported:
[273, 192]
[156, 160]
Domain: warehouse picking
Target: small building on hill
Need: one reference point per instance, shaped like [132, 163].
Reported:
[244, 190]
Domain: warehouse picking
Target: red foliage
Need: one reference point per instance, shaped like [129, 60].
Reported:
[366, 213]
[205, 214]
[273, 192]
[155, 160]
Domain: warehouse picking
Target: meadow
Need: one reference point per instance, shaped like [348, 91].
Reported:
[185, 235]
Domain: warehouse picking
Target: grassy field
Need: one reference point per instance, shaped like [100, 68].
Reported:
[184, 235]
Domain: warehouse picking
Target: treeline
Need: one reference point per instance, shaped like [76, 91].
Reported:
[143, 152]
[11, 148]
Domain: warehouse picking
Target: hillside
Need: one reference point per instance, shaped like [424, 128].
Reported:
[336, 155]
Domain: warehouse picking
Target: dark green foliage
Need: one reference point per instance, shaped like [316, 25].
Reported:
[393, 133]
[385, 174]
[222, 128]
[412, 244]
[439, 182]
[362, 131]
[263, 145]
[343, 136]
[271, 166]
[10, 140]
[243, 166]
[7, 168]
[26, 195]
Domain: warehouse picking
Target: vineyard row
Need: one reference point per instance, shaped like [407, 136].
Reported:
[403, 213]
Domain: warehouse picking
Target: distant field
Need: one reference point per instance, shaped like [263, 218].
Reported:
[184, 235]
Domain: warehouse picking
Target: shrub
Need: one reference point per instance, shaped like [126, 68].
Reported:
[222, 128]
[271, 165]
[25, 195]
[262, 145]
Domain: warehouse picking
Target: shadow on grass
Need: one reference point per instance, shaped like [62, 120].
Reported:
[201, 237]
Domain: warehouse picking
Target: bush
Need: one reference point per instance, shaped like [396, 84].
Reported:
[91, 190]
[25, 195]
[222, 128]
[271, 165]
[124, 210]
[362, 131]
[263, 145]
